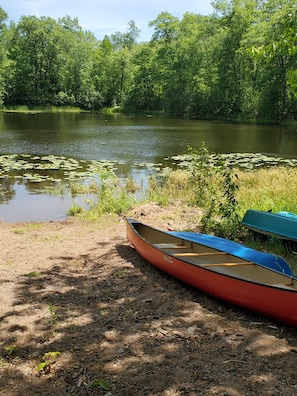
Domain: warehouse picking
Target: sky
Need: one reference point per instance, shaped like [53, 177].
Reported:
[103, 17]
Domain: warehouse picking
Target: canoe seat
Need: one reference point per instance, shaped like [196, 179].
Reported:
[170, 246]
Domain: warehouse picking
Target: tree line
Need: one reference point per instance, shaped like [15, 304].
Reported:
[240, 62]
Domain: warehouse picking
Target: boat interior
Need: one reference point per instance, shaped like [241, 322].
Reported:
[212, 259]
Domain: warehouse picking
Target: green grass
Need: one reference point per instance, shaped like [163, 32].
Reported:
[223, 194]
[40, 109]
[262, 189]
[206, 182]
[266, 189]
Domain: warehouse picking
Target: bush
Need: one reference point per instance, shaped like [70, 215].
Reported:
[215, 187]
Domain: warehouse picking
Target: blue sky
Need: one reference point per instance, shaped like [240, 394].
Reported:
[106, 16]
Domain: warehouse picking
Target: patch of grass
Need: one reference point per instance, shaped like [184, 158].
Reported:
[21, 231]
[75, 210]
[171, 184]
[33, 274]
[224, 193]
[34, 226]
[41, 109]
[266, 189]
[54, 316]
[18, 231]
[113, 195]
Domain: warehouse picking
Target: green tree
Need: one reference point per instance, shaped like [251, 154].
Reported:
[271, 45]
[164, 41]
[198, 42]
[4, 63]
[228, 92]
[143, 92]
[112, 65]
[34, 52]
[185, 71]
[78, 52]
[125, 40]
[165, 27]
[52, 63]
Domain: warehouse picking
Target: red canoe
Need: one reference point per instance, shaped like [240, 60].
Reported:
[220, 274]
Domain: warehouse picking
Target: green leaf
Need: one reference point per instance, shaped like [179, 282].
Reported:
[10, 348]
[33, 273]
[41, 366]
[99, 382]
[52, 355]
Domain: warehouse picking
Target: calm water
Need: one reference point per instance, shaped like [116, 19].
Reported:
[130, 141]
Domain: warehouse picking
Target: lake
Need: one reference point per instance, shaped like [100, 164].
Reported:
[135, 145]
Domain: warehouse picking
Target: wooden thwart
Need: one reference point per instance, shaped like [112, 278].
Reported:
[226, 264]
[194, 254]
[200, 254]
[173, 246]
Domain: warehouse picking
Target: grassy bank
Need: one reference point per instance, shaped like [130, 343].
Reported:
[221, 192]
[40, 109]
[268, 189]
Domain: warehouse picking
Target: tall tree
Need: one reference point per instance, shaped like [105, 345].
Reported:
[164, 40]
[34, 52]
[52, 63]
[236, 18]
[143, 91]
[125, 40]
[197, 45]
[78, 51]
[112, 67]
[4, 63]
[271, 45]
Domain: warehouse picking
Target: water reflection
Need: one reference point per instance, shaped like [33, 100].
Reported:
[26, 206]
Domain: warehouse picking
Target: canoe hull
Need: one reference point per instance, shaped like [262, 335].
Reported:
[280, 225]
[276, 303]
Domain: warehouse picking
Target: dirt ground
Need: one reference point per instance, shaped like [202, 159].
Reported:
[81, 313]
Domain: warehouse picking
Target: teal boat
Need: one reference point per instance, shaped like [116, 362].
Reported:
[282, 225]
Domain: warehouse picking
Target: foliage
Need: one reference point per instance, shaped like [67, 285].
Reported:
[47, 361]
[215, 185]
[10, 349]
[273, 189]
[4, 61]
[205, 180]
[75, 210]
[113, 195]
[238, 63]
[99, 383]
[54, 316]
[33, 274]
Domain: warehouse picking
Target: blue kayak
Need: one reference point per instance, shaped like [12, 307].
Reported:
[267, 260]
